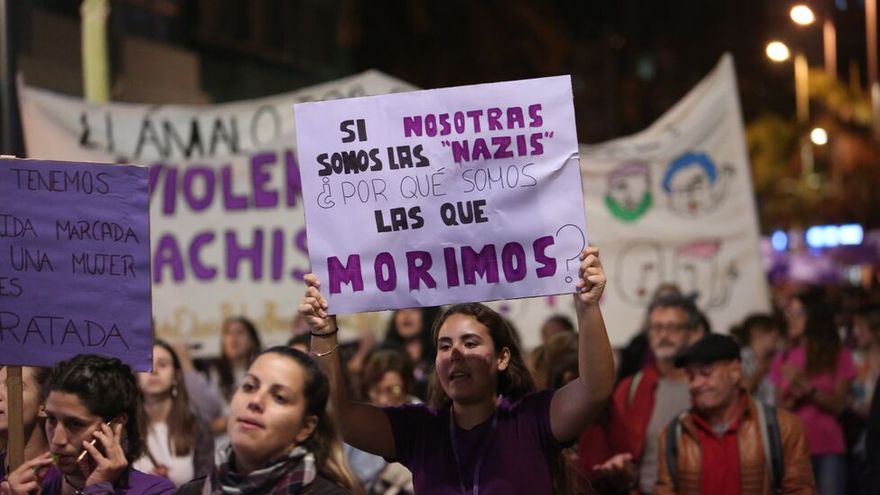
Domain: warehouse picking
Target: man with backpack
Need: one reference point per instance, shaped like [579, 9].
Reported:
[727, 443]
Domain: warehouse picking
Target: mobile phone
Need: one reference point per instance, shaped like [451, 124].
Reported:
[82, 455]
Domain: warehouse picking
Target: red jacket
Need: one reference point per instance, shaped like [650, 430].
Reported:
[631, 408]
[624, 426]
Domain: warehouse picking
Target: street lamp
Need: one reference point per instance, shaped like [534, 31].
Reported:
[803, 15]
[778, 52]
[819, 136]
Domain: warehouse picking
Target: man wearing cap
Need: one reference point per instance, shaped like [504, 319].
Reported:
[722, 444]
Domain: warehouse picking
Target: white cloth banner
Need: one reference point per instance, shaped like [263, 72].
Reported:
[443, 196]
[226, 223]
[675, 204]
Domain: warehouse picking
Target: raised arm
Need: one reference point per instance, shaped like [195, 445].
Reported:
[363, 426]
[580, 401]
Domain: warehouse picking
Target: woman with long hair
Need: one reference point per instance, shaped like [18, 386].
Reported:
[410, 330]
[486, 430]
[179, 445]
[93, 414]
[239, 346]
[282, 440]
[33, 419]
[813, 378]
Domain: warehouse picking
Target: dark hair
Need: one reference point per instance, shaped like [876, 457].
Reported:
[182, 426]
[224, 365]
[561, 320]
[821, 340]
[756, 321]
[565, 365]
[382, 361]
[429, 350]
[324, 442]
[301, 339]
[108, 388]
[686, 304]
[515, 381]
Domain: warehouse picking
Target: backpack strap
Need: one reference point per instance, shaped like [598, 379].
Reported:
[673, 433]
[633, 387]
[771, 437]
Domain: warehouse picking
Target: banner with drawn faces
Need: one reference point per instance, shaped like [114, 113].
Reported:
[674, 204]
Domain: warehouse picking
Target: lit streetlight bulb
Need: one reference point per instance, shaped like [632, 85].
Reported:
[803, 15]
[777, 51]
[819, 136]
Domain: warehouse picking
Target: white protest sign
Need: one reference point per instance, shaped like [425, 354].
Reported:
[442, 196]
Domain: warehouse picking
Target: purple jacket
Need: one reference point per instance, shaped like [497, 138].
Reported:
[137, 483]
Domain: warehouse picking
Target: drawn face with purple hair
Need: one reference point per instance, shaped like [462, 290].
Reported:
[628, 192]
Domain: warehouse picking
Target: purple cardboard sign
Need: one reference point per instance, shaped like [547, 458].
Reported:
[74, 262]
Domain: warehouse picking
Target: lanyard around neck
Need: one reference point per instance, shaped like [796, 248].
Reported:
[487, 445]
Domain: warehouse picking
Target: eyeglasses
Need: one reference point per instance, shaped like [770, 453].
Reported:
[668, 327]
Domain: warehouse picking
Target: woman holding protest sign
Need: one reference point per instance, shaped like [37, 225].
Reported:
[33, 419]
[487, 432]
[92, 409]
[282, 440]
[179, 444]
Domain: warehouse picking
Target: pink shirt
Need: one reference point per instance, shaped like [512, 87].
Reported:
[823, 431]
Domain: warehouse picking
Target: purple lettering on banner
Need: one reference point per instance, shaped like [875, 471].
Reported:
[230, 201]
[300, 241]
[483, 263]
[418, 263]
[260, 178]
[348, 274]
[207, 175]
[494, 117]
[548, 268]
[277, 254]
[201, 271]
[412, 125]
[235, 254]
[294, 180]
[155, 172]
[383, 261]
[451, 267]
[167, 253]
[513, 262]
[170, 197]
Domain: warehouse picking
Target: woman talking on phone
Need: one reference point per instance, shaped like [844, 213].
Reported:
[486, 433]
[92, 407]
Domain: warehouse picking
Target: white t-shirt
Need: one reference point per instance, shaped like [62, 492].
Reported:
[180, 468]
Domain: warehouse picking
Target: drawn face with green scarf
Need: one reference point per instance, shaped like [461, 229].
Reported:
[628, 194]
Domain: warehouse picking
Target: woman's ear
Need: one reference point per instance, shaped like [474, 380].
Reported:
[503, 359]
[42, 412]
[308, 427]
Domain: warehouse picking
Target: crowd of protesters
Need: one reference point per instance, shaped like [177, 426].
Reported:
[449, 402]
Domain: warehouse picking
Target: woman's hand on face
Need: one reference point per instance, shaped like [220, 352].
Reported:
[314, 307]
[592, 277]
[27, 478]
[111, 463]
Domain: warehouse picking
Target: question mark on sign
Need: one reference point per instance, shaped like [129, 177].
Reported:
[325, 199]
[573, 236]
